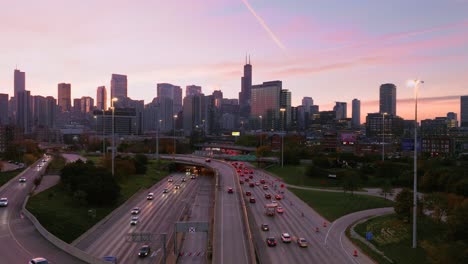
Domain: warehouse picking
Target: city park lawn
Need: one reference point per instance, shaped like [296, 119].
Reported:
[333, 205]
[62, 216]
[393, 237]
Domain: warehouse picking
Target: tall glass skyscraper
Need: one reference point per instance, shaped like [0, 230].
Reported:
[388, 99]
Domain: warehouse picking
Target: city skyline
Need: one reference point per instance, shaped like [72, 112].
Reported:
[305, 49]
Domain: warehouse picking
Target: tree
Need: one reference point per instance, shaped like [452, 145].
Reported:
[404, 204]
[457, 222]
[438, 203]
[29, 159]
[350, 181]
[141, 162]
[386, 188]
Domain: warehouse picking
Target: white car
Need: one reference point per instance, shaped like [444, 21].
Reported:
[166, 190]
[136, 210]
[150, 196]
[38, 261]
[22, 179]
[134, 220]
[3, 202]
[170, 180]
[286, 238]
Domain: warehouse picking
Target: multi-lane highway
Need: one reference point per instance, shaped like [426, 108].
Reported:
[157, 216]
[328, 245]
[19, 239]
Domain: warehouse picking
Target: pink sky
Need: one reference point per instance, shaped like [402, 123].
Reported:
[322, 49]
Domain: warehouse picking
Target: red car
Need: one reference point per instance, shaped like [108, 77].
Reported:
[248, 193]
[279, 210]
[250, 177]
[262, 181]
[252, 200]
[267, 196]
[265, 187]
[230, 190]
[247, 180]
[271, 241]
[251, 184]
[251, 172]
[278, 197]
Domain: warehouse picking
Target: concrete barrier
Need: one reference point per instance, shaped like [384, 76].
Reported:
[58, 242]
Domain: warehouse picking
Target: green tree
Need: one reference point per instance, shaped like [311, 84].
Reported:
[404, 204]
[141, 162]
[458, 220]
[438, 203]
[386, 188]
[351, 181]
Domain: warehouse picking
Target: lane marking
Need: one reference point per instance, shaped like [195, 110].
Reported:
[331, 227]
[341, 243]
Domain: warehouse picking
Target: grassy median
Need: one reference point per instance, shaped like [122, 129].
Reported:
[333, 205]
[59, 213]
[8, 175]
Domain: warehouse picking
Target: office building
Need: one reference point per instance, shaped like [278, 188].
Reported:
[77, 105]
[87, 104]
[389, 126]
[285, 103]
[23, 111]
[307, 102]
[125, 123]
[245, 94]
[191, 90]
[172, 92]
[218, 98]
[464, 111]
[452, 121]
[64, 97]
[356, 113]
[388, 99]
[266, 100]
[19, 81]
[51, 111]
[194, 113]
[39, 111]
[101, 98]
[340, 109]
[118, 86]
[4, 109]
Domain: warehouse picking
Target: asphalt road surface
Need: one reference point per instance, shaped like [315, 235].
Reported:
[19, 240]
[328, 245]
[157, 216]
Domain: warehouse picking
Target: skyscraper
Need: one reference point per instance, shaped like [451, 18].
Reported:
[192, 90]
[194, 113]
[23, 110]
[51, 106]
[464, 111]
[87, 104]
[218, 98]
[173, 92]
[246, 90]
[307, 102]
[4, 109]
[266, 100]
[356, 113]
[388, 99]
[101, 98]
[118, 86]
[64, 96]
[285, 102]
[452, 120]
[19, 81]
[39, 110]
[341, 110]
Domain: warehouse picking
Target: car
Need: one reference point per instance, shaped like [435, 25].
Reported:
[208, 160]
[247, 180]
[302, 242]
[44, 160]
[279, 210]
[3, 202]
[184, 180]
[248, 193]
[165, 190]
[150, 196]
[250, 177]
[286, 238]
[10, 161]
[251, 171]
[278, 197]
[22, 179]
[265, 187]
[192, 177]
[134, 220]
[110, 259]
[170, 180]
[265, 227]
[39, 165]
[252, 200]
[144, 251]
[241, 182]
[230, 190]
[271, 241]
[136, 210]
[251, 184]
[257, 183]
[267, 196]
[177, 186]
[262, 181]
[274, 202]
[38, 261]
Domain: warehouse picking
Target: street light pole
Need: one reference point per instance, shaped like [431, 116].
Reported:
[261, 130]
[415, 164]
[104, 132]
[282, 110]
[113, 135]
[383, 136]
[175, 118]
[157, 139]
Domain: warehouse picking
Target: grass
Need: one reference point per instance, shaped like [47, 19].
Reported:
[60, 215]
[8, 175]
[333, 205]
[394, 237]
[367, 250]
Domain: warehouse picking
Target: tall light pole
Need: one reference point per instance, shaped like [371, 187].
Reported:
[113, 134]
[415, 84]
[204, 129]
[157, 139]
[104, 132]
[261, 130]
[282, 110]
[175, 118]
[383, 136]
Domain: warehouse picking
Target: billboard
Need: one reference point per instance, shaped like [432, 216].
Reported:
[235, 133]
[348, 138]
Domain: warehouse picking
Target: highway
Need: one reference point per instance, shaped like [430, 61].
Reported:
[328, 245]
[157, 216]
[21, 241]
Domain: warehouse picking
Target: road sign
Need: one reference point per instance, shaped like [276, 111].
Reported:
[191, 229]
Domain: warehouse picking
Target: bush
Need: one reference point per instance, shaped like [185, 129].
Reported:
[141, 162]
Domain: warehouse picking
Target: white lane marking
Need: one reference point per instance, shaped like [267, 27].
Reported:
[349, 256]
[331, 227]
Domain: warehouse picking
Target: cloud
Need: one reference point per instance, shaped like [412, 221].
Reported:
[264, 25]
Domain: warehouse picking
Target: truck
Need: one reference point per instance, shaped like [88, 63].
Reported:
[270, 209]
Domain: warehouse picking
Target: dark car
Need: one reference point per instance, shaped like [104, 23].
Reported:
[267, 196]
[208, 160]
[271, 241]
[230, 190]
[250, 177]
[252, 200]
[248, 193]
[247, 180]
[241, 182]
[251, 184]
[265, 227]
[262, 181]
[144, 251]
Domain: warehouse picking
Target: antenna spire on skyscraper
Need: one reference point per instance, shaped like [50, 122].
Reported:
[249, 58]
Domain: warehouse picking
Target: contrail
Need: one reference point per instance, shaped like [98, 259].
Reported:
[264, 25]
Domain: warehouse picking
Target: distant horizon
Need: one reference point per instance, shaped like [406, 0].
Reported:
[325, 50]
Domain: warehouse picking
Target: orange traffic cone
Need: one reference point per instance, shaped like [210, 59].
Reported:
[324, 224]
[316, 229]
[355, 253]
